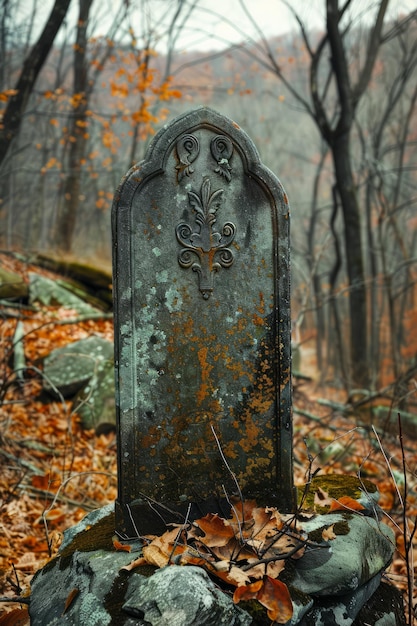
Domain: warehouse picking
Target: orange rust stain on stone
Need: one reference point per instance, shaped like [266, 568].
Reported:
[251, 436]
[258, 467]
[152, 437]
[188, 327]
[261, 306]
[239, 369]
[257, 320]
[229, 450]
[205, 369]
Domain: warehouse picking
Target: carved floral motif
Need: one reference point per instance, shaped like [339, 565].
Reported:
[188, 149]
[205, 248]
[222, 149]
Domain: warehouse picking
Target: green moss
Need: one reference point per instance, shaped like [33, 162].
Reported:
[115, 599]
[316, 535]
[257, 612]
[335, 486]
[339, 528]
[98, 537]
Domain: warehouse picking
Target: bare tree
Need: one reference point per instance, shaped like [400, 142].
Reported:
[384, 129]
[33, 64]
[336, 87]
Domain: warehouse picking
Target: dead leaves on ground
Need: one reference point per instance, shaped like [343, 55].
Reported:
[16, 617]
[272, 594]
[247, 551]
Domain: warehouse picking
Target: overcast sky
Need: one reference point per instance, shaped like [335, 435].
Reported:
[215, 24]
[218, 23]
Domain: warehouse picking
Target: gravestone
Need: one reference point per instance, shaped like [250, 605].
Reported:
[201, 288]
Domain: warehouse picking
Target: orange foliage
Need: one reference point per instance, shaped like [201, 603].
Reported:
[52, 472]
[247, 551]
[272, 594]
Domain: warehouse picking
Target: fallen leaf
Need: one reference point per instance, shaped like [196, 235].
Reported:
[17, 617]
[235, 575]
[217, 530]
[118, 545]
[275, 597]
[264, 527]
[242, 511]
[247, 592]
[321, 498]
[70, 599]
[346, 503]
[328, 533]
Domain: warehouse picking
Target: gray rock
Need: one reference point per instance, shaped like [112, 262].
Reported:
[336, 584]
[87, 522]
[69, 368]
[12, 286]
[181, 596]
[362, 548]
[385, 608]
[95, 403]
[93, 574]
[50, 292]
[340, 610]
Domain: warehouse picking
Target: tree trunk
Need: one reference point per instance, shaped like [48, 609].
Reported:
[32, 66]
[354, 259]
[67, 214]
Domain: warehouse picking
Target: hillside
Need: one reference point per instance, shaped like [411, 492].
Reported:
[52, 471]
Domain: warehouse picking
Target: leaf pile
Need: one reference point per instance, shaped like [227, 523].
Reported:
[247, 551]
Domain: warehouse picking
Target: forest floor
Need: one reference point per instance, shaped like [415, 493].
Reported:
[52, 472]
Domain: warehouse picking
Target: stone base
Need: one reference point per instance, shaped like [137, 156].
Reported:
[333, 585]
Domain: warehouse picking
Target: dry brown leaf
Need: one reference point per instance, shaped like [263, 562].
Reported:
[118, 545]
[136, 563]
[247, 592]
[328, 533]
[217, 530]
[155, 555]
[242, 511]
[236, 576]
[70, 599]
[17, 617]
[321, 498]
[274, 595]
[346, 503]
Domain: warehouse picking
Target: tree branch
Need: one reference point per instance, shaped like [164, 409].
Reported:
[33, 64]
[374, 42]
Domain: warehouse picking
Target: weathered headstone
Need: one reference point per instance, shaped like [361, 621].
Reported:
[202, 327]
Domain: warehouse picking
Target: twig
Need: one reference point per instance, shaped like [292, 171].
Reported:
[233, 475]
[407, 536]
[280, 557]
[48, 495]
[129, 510]
[58, 496]
[17, 599]
[180, 531]
[20, 462]
[228, 466]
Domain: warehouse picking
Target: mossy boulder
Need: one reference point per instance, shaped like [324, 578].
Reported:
[69, 368]
[12, 286]
[321, 491]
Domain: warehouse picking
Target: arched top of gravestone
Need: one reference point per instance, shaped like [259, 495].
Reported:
[201, 118]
